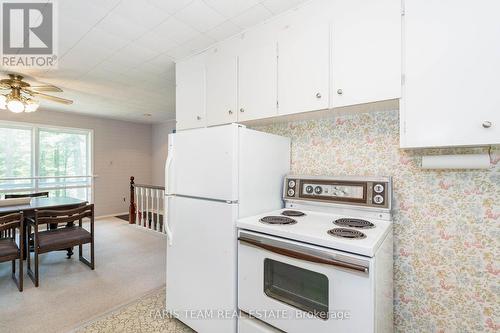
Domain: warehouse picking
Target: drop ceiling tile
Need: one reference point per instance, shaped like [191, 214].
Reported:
[231, 8]
[156, 42]
[179, 52]
[119, 25]
[163, 60]
[70, 32]
[75, 64]
[170, 6]
[279, 6]
[98, 38]
[111, 66]
[223, 31]
[200, 16]
[199, 43]
[141, 13]
[106, 4]
[175, 30]
[82, 11]
[252, 16]
[150, 72]
[134, 53]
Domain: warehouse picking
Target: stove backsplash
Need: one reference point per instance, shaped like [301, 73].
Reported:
[446, 273]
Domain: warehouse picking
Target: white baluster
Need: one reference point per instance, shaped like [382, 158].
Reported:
[136, 205]
[158, 227]
[147, 207]
[142, 206]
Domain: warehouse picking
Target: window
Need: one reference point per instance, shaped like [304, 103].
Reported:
[37, 158]
[16, 165]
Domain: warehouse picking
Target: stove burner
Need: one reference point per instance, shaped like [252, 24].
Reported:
[346, 233]
[277, 220]
[292, 213]
[354, 223]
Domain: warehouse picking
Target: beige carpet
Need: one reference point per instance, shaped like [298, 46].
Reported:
[130, 262]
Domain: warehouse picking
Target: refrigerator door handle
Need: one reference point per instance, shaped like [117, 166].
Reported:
[170, 157]
[168, 231]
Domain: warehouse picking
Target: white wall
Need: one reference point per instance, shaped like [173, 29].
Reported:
[121, 149]
[159, 151]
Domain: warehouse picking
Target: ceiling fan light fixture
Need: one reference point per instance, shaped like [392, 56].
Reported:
[3, 102]
[31, 106]
[15, 105]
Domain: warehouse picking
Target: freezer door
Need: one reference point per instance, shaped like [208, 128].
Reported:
[204, 163]
[201, 264]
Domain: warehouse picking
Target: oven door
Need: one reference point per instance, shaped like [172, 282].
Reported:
[298, 287]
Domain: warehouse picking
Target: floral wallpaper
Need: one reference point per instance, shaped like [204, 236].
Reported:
[446, 223]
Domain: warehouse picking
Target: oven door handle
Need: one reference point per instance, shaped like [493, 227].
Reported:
[304, 256]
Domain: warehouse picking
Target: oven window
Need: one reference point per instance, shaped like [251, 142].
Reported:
[303, 289]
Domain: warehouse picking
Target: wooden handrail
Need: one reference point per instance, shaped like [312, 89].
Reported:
[154, 187]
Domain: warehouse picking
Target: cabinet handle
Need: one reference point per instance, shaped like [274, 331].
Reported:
[487, 124]
[318, 95]
[230, 112]
[242, 110]
[339, 92]
[198, 118]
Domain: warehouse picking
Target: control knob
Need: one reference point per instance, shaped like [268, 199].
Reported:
[318, 190]
[378, 188]
[378, 199]
[309, 189]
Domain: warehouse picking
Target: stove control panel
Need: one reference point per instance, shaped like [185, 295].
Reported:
[372, 192]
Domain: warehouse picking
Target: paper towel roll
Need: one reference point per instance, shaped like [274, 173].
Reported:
[465, 161]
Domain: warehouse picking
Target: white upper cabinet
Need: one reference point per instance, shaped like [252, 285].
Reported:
[257, 77]
[190, 93]
[303, 64]
[321, 55]
[451, 73]
[222, 87]
[366, 51]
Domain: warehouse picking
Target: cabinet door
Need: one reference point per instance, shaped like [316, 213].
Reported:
[303, 66]
[257, 89]
[451, 73]
[222, 86]
[190, 93]
[366, 51]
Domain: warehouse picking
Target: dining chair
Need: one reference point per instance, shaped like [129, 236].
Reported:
[24, 195]
[62, 237]
[27, 195]
[9, 250]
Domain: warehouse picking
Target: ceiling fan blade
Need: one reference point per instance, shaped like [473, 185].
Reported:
[45, 87]
[4, 86]
[49, 97]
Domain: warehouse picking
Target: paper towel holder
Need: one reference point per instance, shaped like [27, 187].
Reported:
[457, 161]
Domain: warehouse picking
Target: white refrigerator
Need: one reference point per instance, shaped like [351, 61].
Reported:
[213, 177]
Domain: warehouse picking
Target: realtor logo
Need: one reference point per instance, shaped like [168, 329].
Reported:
[28, 34]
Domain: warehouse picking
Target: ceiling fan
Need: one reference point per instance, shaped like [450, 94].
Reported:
[21, 96]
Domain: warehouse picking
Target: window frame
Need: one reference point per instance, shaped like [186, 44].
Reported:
[35, 156]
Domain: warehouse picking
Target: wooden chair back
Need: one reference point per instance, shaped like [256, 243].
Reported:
[11, 221]
[9, 224]
[64, 216]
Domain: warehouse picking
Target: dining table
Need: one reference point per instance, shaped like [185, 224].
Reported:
[41, 203]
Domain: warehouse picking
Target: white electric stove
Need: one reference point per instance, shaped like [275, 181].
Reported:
[321, 264]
